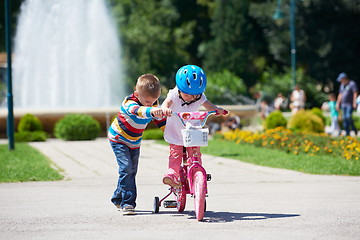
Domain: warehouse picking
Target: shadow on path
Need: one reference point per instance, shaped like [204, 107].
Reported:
[221, 217]
[231, 216]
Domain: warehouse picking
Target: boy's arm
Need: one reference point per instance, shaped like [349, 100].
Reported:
[145, 112]
[211, 107]
[161, 123]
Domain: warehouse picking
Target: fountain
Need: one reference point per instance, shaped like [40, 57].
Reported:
[67, 55]
[66, 59]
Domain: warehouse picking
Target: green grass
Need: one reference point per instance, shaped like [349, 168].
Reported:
[321, 164]
[275, 158]
[25, 164]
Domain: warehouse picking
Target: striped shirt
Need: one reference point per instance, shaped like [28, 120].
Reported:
[131, 121]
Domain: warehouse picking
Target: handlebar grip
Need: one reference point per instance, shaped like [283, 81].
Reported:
[224, 113]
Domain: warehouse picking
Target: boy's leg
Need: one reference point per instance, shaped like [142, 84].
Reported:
[127, 159]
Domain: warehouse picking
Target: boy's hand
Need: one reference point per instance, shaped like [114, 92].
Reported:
[221, 111]
[156, 112]
[167, 112]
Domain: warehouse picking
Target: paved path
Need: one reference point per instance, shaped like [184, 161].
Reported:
[245, 201]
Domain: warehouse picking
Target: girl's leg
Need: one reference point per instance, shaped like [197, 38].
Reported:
[175, 159]
[336, 122]
[194, 151]
[333, 125]
[172, 176]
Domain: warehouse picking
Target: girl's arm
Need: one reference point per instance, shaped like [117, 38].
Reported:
[165, 106]
[211, 107]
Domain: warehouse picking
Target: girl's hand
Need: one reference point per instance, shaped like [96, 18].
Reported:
[166, 112]
[221, 111]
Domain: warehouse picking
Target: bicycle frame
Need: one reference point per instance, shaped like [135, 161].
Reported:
[190, 170]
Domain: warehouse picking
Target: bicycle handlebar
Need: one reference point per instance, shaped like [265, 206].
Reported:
[201, 116]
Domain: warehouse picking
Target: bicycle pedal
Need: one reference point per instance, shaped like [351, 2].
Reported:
[208, 177]
[170, 204]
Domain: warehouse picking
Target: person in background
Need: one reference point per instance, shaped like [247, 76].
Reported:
[334, 114]
[346, 100]
[279, 100]
[298, 99]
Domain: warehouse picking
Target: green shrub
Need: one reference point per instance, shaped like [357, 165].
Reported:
[306, 121]
[77, 127]
[154, 133]
[318, 112]
[27, 136]
[356, 122]
[30, 123]
[275, 119]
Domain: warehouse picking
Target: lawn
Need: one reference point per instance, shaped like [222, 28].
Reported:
[25, 164]
[319, 164]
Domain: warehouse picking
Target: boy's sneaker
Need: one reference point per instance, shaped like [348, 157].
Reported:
[171, 180]
[128, 210]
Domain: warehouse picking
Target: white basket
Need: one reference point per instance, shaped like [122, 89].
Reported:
[194, 137]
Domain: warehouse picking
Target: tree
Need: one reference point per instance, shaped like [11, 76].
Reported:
[331, 39]
[15, 6]
[152, 42]
[238, 43]
[326, 36]
[198, 14]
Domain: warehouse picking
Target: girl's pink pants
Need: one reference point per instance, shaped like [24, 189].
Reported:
[176, 156]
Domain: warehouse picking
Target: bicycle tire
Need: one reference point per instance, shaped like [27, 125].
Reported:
[181, 199]
[199, 194]
[156, 205]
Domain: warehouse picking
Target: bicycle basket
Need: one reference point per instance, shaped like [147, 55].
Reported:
[195, 137]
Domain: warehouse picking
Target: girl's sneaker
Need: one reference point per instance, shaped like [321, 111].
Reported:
[171, 180]
[128, 210]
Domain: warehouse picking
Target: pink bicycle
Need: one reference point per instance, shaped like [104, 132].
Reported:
[193, 176]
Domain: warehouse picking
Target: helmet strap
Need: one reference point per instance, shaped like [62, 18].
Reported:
[188, 103]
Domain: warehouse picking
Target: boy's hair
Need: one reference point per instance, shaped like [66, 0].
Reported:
[148, 84]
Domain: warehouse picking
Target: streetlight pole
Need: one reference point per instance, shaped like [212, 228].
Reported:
[278, 15]
[293, 41]
[10, 119]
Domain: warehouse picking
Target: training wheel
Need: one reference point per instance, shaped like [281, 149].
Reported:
[156, 204]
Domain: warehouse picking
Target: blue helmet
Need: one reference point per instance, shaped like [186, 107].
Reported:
[191, 79]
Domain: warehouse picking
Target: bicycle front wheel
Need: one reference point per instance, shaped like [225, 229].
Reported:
[181, 199]
[199, 194]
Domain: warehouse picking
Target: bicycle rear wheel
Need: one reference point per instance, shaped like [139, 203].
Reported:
[199, 194]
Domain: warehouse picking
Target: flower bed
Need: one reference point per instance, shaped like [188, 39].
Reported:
[295, 142]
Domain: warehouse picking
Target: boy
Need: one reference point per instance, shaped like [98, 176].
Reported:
[125, 133]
